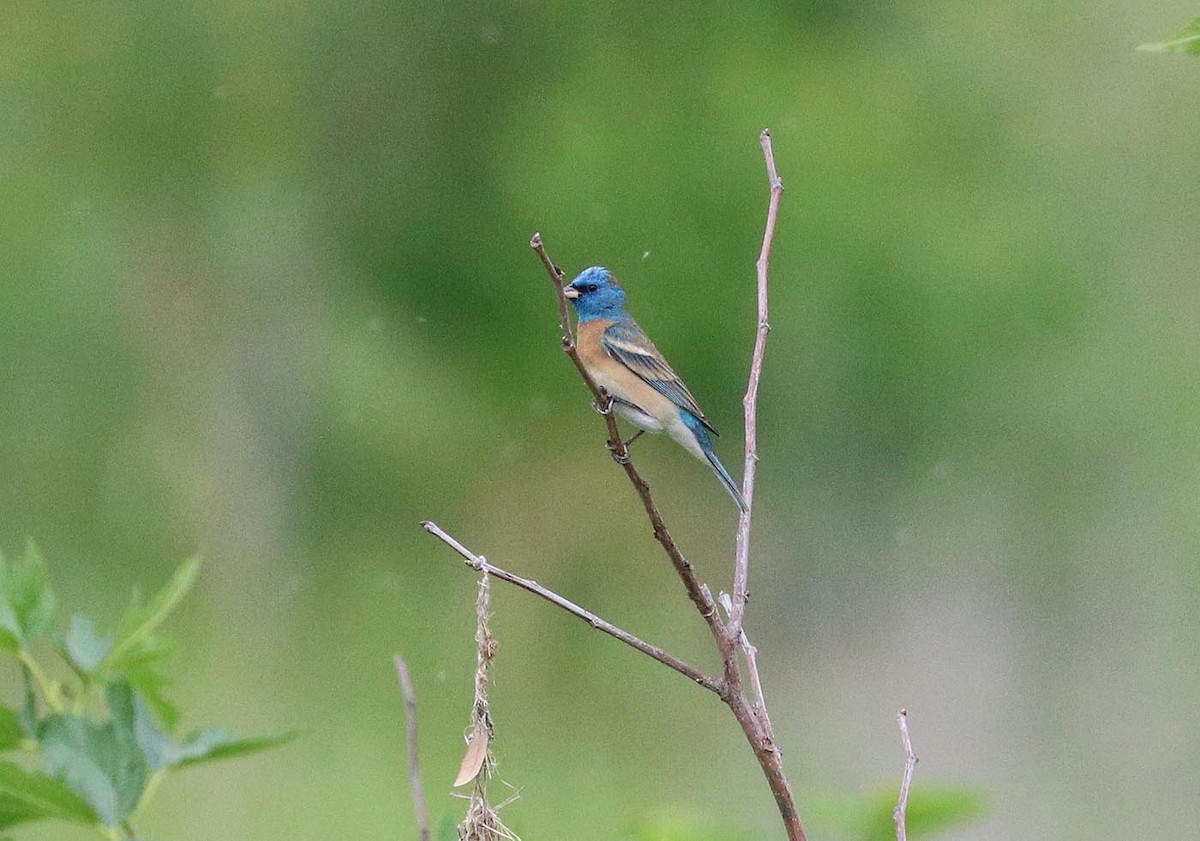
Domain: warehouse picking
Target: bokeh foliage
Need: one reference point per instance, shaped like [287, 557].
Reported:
[77, 766]
[268, 294]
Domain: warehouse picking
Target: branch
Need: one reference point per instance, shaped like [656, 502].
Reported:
[481, 564]
[741, 564]
[760, 703]
[414, 764]
[910, 763]
[683, 567]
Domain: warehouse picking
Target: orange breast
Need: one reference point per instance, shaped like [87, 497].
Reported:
[615, 378]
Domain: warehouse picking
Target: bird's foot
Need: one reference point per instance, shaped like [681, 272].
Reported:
[605, 408]
[620, 454]
[635, 436]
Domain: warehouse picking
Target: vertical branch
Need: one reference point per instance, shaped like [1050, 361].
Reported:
[741, 564]
[414, 763]
[900, 813]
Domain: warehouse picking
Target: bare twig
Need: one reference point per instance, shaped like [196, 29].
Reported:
[900, 813]
[481, 564]
[741, 565]
[414, 764]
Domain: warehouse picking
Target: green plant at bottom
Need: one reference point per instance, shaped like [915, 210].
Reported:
[92, 749]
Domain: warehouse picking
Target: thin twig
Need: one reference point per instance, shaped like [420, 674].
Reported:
[900, 813]
[479, 563]
[741, 565]
[414, 764]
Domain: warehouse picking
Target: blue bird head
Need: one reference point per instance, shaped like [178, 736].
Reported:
[596, 294]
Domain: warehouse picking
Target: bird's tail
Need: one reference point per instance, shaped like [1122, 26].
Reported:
[699, 443]
[725, 478]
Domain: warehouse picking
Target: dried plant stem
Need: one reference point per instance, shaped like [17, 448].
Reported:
[478, 562]
[482, 823]
[900, 813]
[741, 564]
[414, 763]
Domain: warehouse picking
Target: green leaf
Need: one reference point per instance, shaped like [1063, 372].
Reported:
[26, 796]
[144, 676]
[135, 636]
[84, 646]
[10, 728]
[220, 745]
[163, 752]
[101, 763]
[1186, 40]
[29, 711]
[26, 603]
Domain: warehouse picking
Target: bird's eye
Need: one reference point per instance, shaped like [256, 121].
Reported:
[591, 287]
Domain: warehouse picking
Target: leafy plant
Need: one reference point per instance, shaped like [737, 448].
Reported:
[1186, 40]
[68, 762]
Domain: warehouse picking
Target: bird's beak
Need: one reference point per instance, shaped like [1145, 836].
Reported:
[570, 292]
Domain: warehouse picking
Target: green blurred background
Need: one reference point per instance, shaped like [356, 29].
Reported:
[267, 294]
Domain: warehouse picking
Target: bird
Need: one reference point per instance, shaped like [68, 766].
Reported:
[619, 357]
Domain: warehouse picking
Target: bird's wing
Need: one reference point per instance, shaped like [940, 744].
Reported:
[627, 343]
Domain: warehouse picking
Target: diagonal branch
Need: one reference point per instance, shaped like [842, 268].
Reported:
[741, 564]
[480, 564]
[683, 567]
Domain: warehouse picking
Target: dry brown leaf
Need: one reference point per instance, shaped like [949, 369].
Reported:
[476, 755]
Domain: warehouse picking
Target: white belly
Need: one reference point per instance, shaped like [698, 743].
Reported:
[625, 407]
[637, 417]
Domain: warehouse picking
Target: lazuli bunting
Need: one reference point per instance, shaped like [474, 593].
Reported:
[620, 357]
